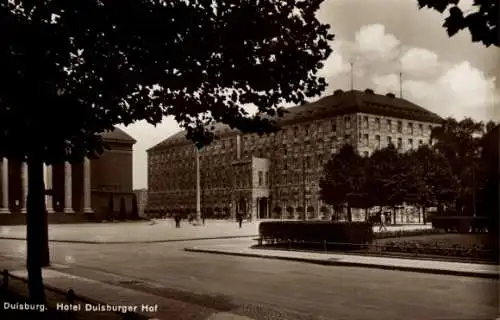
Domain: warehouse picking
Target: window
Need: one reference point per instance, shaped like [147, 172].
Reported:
[347, 138]
[366, 154]
[400, 127]
[377, 141]
[347, 122]
[267, 178]
[334, 126]
[365, 139]
[377, 123]
[410, 144]
[365, 122]
[306, 128]
[308, 162]
[389, 125]
[400, 143]
[389, 141]
[421, 129]
[430, 129]
[260, 179]
[285, 180]
[295, 132]
[410, 128]
[420, 142]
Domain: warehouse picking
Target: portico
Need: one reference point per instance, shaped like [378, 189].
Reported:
[59, 179]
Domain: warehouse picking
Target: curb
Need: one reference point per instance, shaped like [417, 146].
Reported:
[474, 274]
[132, 242]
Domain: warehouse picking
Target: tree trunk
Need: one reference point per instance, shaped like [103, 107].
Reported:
[420, 209]
[36, 230]
[366, 214]
[393, 215]
[424, 219]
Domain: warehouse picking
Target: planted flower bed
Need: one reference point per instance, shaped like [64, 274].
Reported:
[406, 233]
[469, 247]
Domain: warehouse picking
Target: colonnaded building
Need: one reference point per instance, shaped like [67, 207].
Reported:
[277, 175]
[93, 190]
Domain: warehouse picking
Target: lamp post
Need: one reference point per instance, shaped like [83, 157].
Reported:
[198, 186]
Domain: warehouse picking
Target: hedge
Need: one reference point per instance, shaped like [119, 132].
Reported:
[462, 224]
[317, 231]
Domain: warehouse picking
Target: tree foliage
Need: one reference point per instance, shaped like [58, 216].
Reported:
[101, 63]
[71, 70]
[482, 22]
[459, 170]
[343, 180]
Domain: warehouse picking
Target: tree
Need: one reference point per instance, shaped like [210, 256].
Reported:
[459, 142]
[387, 178]
[488, 203]
[436, 184]
[482, 22]
[74, 69]
[343, 179]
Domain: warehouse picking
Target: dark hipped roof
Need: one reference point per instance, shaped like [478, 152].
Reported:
[118, 135]
[339, 103]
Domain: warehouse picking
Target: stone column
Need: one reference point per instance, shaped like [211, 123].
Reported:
[87, 207]
[5, 186]
[24, 186]
[48, 186]
[68, 188]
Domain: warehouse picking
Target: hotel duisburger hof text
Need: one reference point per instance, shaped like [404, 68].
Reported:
[277, 175]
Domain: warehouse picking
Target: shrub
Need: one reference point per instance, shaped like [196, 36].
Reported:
[317, 231]
[460, 224]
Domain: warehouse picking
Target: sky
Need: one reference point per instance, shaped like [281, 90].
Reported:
[383, 38]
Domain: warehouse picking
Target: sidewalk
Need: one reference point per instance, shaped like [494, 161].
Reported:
[148, 305]
[333, 259]
[160, 230]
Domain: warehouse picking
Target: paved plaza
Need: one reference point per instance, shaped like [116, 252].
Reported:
[152, 231]
[223, 286]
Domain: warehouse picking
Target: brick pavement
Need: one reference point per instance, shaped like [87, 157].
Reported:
[151, 231]
[243, 248]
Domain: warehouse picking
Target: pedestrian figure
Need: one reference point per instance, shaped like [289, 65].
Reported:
[382, 222]
[177, 221]
[388, 218]
[240, 220]
[203, 220]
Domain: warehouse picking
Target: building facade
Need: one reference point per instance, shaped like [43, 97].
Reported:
[81, 191]
[277, 175]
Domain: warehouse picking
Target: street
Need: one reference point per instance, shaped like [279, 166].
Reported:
[324, 291]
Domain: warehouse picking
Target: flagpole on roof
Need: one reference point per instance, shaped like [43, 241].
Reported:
[401, 84]
[352, 75]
